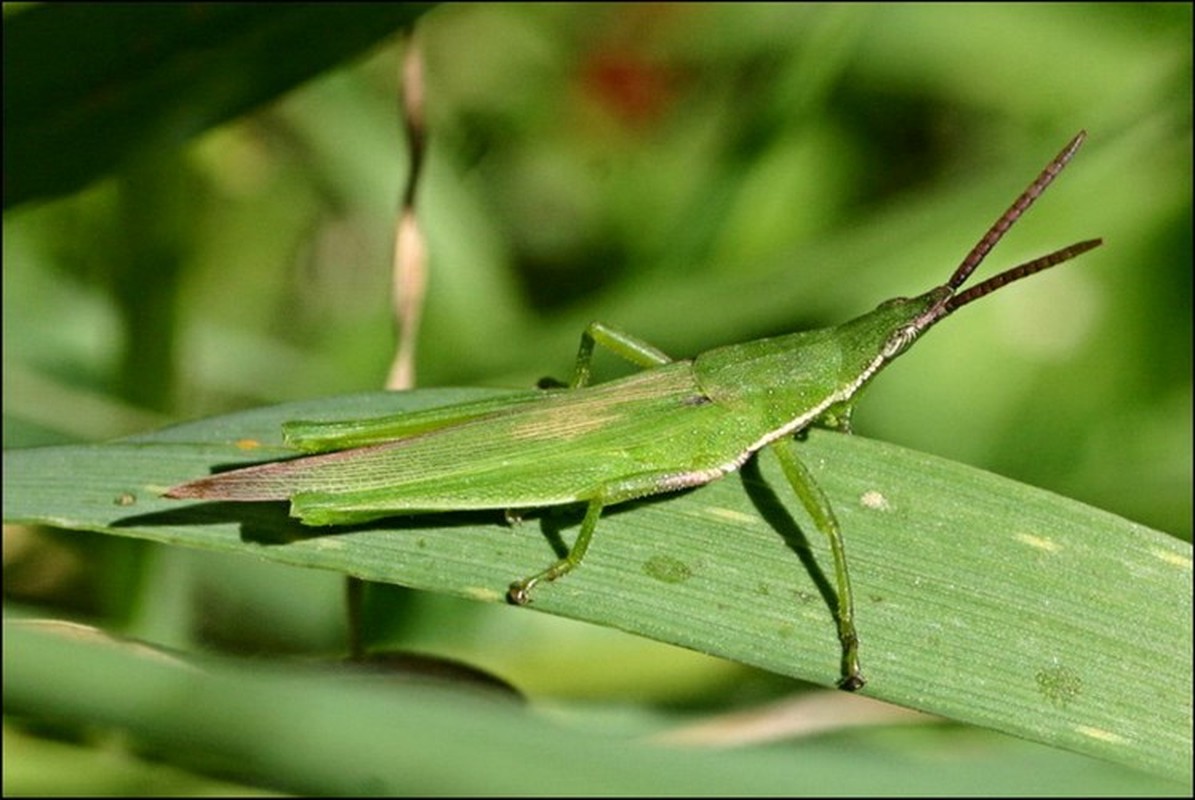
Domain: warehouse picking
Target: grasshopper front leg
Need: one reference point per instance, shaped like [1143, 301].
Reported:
[818, 506]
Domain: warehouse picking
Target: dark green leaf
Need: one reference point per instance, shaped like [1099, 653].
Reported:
[87, 85]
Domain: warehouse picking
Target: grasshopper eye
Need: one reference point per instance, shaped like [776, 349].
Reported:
[899, 341]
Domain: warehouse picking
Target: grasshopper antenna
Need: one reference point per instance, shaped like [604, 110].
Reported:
[1020, 271]
[1014, 212]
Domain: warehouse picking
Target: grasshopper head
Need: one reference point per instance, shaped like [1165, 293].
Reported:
[873, 340]
[888, 331]
[916, 315]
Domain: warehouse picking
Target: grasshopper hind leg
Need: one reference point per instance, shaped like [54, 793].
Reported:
[620, 343]
[637, 352]
[619, 491]
[519, 592]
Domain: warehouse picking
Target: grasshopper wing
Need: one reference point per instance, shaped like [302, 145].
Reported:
[654, 430]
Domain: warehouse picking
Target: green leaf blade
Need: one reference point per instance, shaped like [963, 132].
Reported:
[978, 599]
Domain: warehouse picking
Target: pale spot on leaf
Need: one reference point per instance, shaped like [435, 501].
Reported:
[1101, 734]
[875, 501]
[1038, 542]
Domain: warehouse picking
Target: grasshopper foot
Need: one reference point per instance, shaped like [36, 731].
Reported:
[852, 676]
[852, 683]
[519, 592]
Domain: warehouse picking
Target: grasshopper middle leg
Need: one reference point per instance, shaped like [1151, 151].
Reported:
[818, 506]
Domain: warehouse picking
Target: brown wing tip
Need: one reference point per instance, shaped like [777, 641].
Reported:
[191, 490]
[234, 486]
[272, 480]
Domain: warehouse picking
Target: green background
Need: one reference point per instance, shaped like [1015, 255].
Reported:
[174, 248]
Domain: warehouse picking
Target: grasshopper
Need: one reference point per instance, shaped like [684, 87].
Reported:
[676, 424]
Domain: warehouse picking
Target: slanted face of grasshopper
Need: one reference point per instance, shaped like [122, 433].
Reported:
[676, 424]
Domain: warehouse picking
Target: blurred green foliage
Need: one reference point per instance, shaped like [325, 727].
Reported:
[693, 173]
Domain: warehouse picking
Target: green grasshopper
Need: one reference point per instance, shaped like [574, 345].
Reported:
[676, 424]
